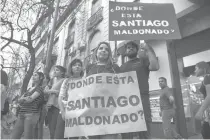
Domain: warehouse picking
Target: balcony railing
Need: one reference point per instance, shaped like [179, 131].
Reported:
[95, 19]
[88, 60]
[69, 40]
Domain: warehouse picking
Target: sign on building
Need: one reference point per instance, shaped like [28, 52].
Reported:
[142, 21]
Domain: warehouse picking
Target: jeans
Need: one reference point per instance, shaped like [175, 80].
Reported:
[138, 135]
[52, 116]
[40, 124]
[169, 132]
[60, 127]
[107, 136]
[205, 130]
[148, 120]
[26, 123]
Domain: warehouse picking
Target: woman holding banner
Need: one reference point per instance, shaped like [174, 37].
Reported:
[103, 64]
[75, 72]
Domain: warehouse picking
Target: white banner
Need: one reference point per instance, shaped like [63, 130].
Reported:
[104, 104]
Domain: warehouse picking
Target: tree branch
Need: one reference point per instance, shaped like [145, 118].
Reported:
[12, 29]
[20, 15]
[14, 41]
[3, 5]
[48, 13]
[12, 68]
[16, 54]
[33, 5]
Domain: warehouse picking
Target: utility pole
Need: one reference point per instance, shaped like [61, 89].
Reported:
[50, 46]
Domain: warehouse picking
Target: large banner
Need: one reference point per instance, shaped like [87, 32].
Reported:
[142, 21]
[104, 104]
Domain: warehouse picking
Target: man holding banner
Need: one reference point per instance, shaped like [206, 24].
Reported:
[142, 66]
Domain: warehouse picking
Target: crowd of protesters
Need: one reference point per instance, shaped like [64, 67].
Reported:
[44, 103]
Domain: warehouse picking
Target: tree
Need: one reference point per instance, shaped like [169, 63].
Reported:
[16, 68]
[18, 17]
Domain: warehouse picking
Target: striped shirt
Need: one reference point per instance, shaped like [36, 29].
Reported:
[34, 106]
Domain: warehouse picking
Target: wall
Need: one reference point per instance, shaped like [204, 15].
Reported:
[160, 49]
[179, 5]
[81, 13]
[61, 44]
[195, 58]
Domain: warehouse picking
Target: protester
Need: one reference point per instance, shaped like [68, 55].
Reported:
[75, 72]
[167, 107]
[203, 69]
[4, 103]
[4, 82]
[142, 66]
[103, 57]
[43, 110]
[30, 103]
[52, 104]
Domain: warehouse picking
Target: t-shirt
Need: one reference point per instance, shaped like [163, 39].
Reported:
[53, 98]
[94, 69]
[141, 66]
[34, 106]
[205, 82]
[164, 99]
[4, 78]
[65, 90]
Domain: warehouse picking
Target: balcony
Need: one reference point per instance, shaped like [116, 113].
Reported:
[69, 40]
[74, 53]
[88, 60]
[95, 19]
[81, 46]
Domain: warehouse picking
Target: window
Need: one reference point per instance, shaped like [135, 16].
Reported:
[71, 27]
[70, 37]
[94, 41]
[55, 46]
[96, 4]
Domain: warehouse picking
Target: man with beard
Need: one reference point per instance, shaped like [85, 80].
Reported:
[142, 66]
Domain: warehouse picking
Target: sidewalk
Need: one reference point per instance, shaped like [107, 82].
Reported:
[198, 136]
[47, 135]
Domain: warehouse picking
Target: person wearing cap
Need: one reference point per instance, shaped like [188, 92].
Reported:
[142, 66]
[203, 69]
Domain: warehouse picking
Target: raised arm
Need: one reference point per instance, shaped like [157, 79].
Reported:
[153, 61]
[55, 88]
[31, 98]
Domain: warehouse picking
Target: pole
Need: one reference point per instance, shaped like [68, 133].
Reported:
[180, 115]
[50, 46]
